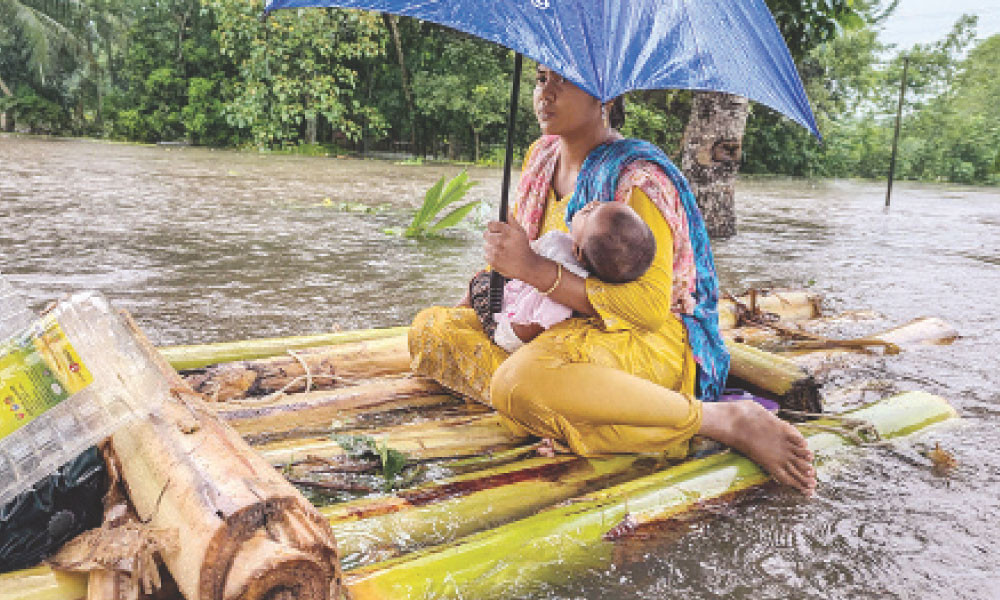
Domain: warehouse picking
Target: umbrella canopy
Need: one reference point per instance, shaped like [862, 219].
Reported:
[609, 47]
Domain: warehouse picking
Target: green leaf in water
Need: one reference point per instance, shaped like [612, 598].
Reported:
[438, 197]
[392, 462]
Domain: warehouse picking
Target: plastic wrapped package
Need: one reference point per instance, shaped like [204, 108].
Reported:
[68, 380]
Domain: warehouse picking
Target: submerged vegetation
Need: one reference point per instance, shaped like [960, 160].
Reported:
[440, 196]
[390, 462]
[323, 81]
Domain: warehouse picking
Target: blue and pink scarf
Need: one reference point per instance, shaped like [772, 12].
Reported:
[598, 180]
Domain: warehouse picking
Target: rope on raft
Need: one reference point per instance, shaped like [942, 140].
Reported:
[278, 394]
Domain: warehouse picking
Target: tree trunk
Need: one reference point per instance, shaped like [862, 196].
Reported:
[773, 376]
[391, 23]
[475, 143]
[3, 116]
[710, 156]
[100, 103]
[311, 130]
[182, 20]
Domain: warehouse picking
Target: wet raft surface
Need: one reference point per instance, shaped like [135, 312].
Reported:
[467, 475]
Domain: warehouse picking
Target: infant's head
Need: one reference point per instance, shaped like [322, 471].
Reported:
[612, 241]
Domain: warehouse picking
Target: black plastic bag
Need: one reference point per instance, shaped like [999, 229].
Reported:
[38, 521]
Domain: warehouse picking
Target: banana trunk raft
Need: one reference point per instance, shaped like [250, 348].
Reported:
[426, 494]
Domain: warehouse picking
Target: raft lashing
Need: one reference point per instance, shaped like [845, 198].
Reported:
[338, 414]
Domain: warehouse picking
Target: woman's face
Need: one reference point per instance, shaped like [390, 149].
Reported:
[561, 107]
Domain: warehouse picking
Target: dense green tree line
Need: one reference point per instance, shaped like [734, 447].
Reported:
[212, 72]
[950, 130]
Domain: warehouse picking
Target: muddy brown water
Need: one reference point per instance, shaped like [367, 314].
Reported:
[206, 246]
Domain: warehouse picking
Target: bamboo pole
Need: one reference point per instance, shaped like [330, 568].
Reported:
[324, 367]
[555, 544]
[244, 531]
[774, 376]
[202, 355]
[443, 511]
[790, 305]
[42, 583]
[445, 438]
[318, 409]
[787, 305]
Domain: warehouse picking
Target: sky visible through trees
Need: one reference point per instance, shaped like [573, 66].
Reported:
[920, 21]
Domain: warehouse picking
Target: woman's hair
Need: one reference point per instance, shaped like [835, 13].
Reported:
[616, 116]
[622, 249]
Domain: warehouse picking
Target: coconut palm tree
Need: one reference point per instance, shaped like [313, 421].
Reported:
[44, 35]
[52, 37]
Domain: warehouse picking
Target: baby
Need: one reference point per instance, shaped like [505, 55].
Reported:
[608, 239]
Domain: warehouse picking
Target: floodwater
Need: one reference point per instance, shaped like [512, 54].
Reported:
[206, 246]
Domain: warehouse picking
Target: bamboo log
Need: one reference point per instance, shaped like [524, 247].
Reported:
[553, 545]
[918, 332]
[788, 305]
[306, 410]
[42, 583]
[325, 367]
[328, 360]
[560, 541]
[440, 512]
[923, 330]
[245, 532]
[773, 376]
[446, 438]
[202, 355]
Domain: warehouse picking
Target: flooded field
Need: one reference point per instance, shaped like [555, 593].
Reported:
[206, 246]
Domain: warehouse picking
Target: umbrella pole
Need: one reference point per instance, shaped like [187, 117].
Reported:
[496, 280]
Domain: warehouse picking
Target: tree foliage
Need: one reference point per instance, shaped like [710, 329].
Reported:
[297, 67]
[948, 130]
[212, 72]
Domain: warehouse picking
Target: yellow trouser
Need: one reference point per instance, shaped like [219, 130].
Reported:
[600, 392]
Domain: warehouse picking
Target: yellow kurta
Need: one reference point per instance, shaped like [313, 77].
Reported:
[619, 382]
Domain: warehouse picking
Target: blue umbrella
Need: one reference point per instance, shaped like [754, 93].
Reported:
[609, 47]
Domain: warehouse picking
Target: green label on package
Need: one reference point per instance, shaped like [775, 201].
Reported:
[39, 368]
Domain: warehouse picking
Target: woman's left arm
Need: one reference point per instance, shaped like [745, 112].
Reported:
[646, 302]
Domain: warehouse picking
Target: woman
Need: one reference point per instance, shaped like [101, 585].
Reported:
[623, 376]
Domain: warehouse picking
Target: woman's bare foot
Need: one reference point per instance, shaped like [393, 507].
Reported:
[775, 445]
